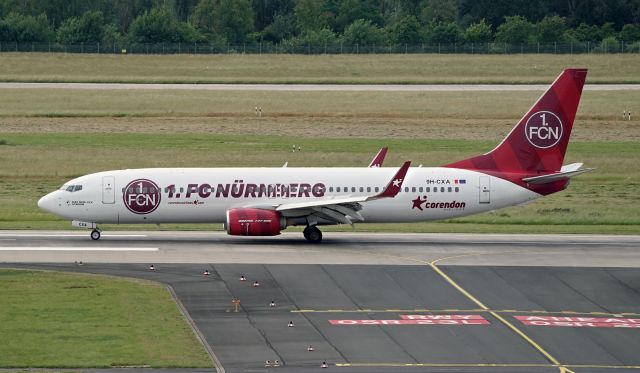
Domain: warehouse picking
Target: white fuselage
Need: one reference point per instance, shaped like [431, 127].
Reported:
[203, 195]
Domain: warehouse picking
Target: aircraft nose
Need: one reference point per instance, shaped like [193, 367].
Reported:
[47, 202]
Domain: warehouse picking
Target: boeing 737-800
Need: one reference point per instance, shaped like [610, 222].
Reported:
[526, 165]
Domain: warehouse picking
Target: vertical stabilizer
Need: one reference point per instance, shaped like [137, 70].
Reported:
[537, 144]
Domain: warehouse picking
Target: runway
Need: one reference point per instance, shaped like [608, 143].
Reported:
[312, 87]
[384, 302]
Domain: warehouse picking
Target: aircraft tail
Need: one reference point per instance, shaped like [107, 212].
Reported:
[537, 144]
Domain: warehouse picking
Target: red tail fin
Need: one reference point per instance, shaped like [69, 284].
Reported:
[538, 142]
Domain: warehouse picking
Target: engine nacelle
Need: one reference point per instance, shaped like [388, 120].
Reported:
[254, 222]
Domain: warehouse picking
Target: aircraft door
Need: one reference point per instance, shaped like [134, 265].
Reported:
[485, 189]
[108, 189]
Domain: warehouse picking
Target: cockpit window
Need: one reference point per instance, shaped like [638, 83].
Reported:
[71, 188]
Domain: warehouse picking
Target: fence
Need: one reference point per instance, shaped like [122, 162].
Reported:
[290, 48]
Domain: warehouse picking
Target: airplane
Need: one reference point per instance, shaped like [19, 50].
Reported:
[525, 166]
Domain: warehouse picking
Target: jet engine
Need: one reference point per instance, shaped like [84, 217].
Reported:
[254, 222]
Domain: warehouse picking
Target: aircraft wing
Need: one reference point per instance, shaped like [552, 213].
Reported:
[345, 210]
[379, 158]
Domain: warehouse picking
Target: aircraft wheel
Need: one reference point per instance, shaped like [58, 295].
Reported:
[313, 234]
[305, 233]
[95, 234]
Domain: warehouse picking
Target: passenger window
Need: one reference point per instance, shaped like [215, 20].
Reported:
[361, 189]
[406, 189]
[435, 189]
[420, 189]
[449, 189]
[457, 189]
[345, 189]
[427, 189]
[181, 190]
[442, 189]
[337, 189]
[353, 189]
[413, 189]
[369, 189]
[376, 189]
[330, 189]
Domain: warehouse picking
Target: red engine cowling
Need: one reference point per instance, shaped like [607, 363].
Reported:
[254, 222]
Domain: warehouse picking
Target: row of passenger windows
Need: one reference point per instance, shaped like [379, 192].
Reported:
[406, 189]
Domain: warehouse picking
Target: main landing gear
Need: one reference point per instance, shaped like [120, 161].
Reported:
[95, 234]
[312, 234]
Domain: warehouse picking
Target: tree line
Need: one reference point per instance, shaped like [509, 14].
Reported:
[320, 22]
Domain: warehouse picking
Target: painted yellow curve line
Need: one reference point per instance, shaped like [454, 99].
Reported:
[547, 355]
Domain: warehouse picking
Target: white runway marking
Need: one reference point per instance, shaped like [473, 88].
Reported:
[71, 248]
[83, 235]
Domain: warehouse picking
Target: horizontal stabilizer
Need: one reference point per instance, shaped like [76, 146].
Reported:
[565, 173]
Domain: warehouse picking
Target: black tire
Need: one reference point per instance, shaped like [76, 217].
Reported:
[95, 235]
[305, 233]
[314, 235]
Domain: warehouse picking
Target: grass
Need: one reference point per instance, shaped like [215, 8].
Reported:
[63, 320]
[383, 69]
[460, 105]
[71, 133]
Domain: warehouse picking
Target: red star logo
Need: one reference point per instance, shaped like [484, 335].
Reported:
[417, 203]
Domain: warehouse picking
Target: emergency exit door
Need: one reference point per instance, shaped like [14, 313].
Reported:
[485, 189]
[108, 189]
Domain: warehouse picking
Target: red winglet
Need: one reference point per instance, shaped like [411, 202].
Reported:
[379, 158]
[395, 184]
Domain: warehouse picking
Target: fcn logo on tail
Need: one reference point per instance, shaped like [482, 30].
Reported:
[543, 129]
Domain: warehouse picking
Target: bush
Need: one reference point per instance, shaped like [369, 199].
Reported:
[630, 33]
[515, 30]
[443, 33]
[3, 142]
[159, 26]
[318, 38]
[89, 28]
[282, 27]
[478, 33]
[406, 31]
[20, 28]
[551, 29]
[364, 32]
[610, 44]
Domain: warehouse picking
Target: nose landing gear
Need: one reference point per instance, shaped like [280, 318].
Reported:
[312, 234]
[95, 234]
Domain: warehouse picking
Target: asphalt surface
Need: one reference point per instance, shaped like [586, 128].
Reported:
[485, 276]
[313, 87]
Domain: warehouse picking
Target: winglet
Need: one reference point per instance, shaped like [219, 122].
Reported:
[379, 158]
[395, 184]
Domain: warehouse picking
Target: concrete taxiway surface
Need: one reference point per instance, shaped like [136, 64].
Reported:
[477, 303]
[313, 87]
